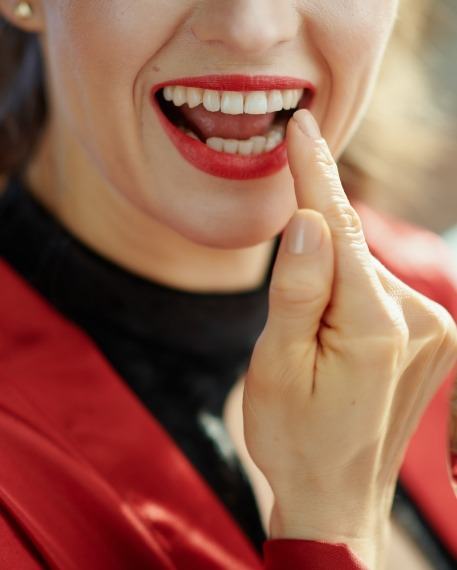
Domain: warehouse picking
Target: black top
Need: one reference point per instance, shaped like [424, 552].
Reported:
[179, 351]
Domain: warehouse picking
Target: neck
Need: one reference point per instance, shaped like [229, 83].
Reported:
[109, 224]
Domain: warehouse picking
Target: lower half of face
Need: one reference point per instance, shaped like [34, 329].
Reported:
[182, 104]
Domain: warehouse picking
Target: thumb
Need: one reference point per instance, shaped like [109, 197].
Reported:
[302, 278]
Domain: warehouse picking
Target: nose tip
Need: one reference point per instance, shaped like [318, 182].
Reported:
[246, 40]
[245, 26]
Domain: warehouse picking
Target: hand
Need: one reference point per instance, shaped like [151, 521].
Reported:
[344, 368]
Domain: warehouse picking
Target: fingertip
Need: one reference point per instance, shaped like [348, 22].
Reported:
[307, 124]
[303, 128]
[302, 133]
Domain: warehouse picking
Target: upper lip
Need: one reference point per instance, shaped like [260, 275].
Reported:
[239, 83]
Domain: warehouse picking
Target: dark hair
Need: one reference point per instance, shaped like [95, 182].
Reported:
[23, 106]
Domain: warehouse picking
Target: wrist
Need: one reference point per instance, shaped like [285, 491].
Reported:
[364, 538]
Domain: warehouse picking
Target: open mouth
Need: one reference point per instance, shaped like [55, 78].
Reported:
[230, 121]
[231, 126]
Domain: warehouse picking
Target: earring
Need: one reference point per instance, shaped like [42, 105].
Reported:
[23, 10]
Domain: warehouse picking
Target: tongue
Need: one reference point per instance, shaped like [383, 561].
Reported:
[208, 124]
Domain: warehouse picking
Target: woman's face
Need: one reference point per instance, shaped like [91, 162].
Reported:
[106, 58]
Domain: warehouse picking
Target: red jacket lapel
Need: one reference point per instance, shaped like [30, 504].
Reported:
[74, 433]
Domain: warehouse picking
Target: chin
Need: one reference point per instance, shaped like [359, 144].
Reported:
[237, 230]
[207, 210]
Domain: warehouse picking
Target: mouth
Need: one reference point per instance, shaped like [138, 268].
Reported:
[231, 126]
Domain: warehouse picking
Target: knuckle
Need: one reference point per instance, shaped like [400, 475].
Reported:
[440, 323]
[444, 321]
[436, 330]
[345, 218]
[324, 157]
[391, 328]
[448, 330]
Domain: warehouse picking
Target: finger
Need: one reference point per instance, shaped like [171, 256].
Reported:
[301, 281]
[421, 315]
[358, 298]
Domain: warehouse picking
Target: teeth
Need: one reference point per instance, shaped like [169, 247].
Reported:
[230, 145]
[194, 97]
[254, 145]
[273, 140]
[288, 99]
[234, 102]
[168, 93]
[180, 96]
[189, 133]
[216, 143]
[256, 103]
[275, 101]
[245, 147]
[259, 144]
[211, 100]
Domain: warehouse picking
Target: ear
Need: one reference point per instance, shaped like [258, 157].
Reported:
[33, 23]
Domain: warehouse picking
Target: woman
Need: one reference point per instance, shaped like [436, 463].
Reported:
[139, 240]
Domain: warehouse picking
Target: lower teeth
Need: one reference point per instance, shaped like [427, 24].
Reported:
[254, 145]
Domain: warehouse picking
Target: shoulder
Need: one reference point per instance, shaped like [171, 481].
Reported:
[416, 255]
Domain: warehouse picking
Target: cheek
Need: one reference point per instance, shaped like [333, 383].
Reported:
[349, 38]
[99, 53]
[350, 34]
[97, 50]
[115, 35]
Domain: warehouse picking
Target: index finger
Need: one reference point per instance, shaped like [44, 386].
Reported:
[358, 293]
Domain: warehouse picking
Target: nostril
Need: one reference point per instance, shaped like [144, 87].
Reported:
[250, 28]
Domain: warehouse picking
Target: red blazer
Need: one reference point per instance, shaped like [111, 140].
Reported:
[89, 480]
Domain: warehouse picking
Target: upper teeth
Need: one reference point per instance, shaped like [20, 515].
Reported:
[234, 102]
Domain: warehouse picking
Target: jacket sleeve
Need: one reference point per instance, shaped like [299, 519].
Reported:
[15, 550]
[295, 554]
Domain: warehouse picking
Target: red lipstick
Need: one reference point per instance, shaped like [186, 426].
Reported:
[221, 164]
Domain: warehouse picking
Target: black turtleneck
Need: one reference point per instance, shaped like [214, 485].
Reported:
[179, 351]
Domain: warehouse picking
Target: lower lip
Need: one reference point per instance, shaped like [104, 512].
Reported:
[222, 164]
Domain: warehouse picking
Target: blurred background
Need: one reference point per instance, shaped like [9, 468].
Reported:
[408, 141]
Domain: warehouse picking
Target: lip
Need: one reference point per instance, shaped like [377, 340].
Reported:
[220, 164]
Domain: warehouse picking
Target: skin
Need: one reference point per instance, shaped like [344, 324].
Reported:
[373, 360]
[114, 180]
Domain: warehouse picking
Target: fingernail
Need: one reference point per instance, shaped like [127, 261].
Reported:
[304, 235]
[307, 124]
